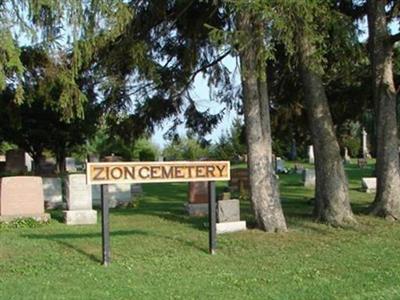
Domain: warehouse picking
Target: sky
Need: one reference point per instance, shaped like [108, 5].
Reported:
[201, 95]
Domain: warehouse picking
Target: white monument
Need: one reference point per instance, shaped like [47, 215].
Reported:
[365, 151]
[311, 154]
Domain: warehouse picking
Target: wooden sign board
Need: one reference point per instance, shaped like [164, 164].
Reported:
[147, 172]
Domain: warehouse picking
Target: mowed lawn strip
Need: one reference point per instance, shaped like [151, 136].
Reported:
[158, 252]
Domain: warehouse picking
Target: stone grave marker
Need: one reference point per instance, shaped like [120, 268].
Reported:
[79, 201]
[309, 178]
[228, 216]
[70, 164]
[22, 197]
[16, 161]
[117, 194]
[368, 184]
[52, 191]
[280, 165]
[47, 166]
[311, 158]
[239, 180]
[198, 199]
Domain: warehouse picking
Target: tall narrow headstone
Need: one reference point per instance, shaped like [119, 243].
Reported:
[347, 158]
[79, 201]
[311, 158]
[22, 197]
[365, 151]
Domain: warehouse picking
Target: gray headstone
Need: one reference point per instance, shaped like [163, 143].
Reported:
[309, 178]
[117, 194]
[368, 184]
[280, 165]
[52, 192]
[79, 201]
[78, 193]
[70, 164]
[228, 211]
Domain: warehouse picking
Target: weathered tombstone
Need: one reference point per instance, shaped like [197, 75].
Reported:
[311, 158]
[22, 197]
[136, 189]
[368, 184]
[79, 201]
[280, 165]
[52, 191]
[93, 158]
[299, 169]
[239, 180]
[70, 164]
[15, 161]
[47, 166]
[309, 178]
[2, 158]
[365, 151]
[347, 158]
[198, 199]
[228, 211]
[117, 194]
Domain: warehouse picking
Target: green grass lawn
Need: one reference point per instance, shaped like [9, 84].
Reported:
[158, 252]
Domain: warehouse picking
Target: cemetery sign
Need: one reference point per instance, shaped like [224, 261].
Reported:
[147, 172]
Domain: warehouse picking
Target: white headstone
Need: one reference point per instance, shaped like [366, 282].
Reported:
[52, 192]
[368, 184]
[365, 144]
[79, 201]
[70, 164]
[311, 158]
[347, 158]
[309, 178]
[280, 165]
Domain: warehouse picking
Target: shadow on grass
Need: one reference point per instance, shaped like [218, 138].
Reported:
[63, 239]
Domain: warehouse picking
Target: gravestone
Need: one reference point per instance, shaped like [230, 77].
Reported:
[136, 189]
[311, 158]
[280, 165]
[239, 180]
[365, 151]
[52, 191]
[93, 158]
[70, 164]
[16, 161]
[299, 169]
[117, 194]
[347, 158]
[22, 197]
[309, 178]
[368, 184]
[79, 201]
[47, 166]
[228, 211]
[228, 217]
[198, 199]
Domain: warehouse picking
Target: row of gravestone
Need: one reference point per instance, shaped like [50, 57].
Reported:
[24, 197]
[228, 210]
[240, 180]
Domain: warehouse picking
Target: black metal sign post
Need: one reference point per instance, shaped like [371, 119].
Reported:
[212, 218]
[105, 228]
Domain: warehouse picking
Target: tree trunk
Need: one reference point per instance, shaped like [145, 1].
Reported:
[332, 203]
[387, 200]
[263, 184]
